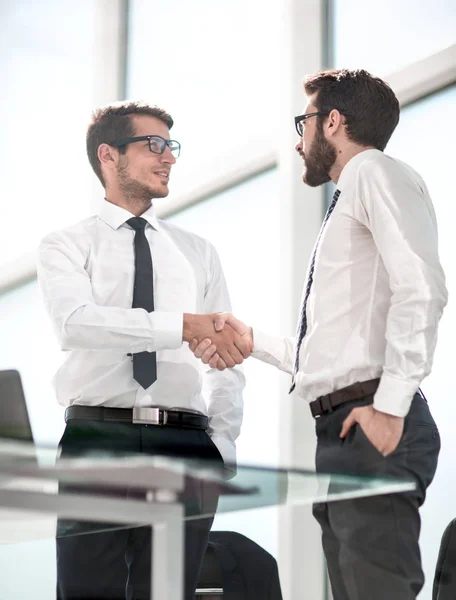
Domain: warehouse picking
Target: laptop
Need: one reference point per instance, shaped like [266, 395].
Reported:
[21, 525]
[14, 419]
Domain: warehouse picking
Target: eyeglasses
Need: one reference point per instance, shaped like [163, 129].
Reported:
[157, 144]
[299, 120]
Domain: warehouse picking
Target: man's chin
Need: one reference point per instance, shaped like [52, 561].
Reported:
[313, 181]
[310, 182]
[160, 192]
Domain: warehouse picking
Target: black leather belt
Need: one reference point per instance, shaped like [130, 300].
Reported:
[358, 390]
[138, 415]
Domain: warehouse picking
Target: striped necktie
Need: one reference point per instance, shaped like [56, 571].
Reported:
[302, 323]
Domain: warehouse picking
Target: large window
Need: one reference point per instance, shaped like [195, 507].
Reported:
[46, 61]
[428, 147]
[214, 67]
[387, 35]
[30, 346]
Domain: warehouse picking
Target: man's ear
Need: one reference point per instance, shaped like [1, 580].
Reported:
[334, 122]
[107, 154]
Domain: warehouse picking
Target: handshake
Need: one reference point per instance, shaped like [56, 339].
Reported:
[219, 340]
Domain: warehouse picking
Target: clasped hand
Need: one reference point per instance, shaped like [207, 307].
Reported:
[219, 340]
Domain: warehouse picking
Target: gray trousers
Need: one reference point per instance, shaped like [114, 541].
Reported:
[371, 544]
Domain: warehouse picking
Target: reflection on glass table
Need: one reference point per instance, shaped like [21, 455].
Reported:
[23, 464]
[123, 490]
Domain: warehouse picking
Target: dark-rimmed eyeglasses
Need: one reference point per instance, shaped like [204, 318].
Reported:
[299, 120]
[157, 144]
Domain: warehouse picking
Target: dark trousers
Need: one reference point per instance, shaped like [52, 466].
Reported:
[116, 563]
[371, 544]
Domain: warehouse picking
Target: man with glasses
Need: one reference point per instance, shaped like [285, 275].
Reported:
[125, 290]
[366, 334]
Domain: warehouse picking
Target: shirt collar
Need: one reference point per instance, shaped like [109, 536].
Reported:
[350, 168]
[115, 216]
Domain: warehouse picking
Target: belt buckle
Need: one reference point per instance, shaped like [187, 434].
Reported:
[148, 416]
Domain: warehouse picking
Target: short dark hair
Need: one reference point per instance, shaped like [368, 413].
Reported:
[370, 106]
[114, 122]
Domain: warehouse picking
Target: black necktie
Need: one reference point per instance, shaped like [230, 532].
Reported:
[144, 363]
[302, 323]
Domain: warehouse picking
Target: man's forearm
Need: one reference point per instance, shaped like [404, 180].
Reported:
[93, 327]
[274, 350]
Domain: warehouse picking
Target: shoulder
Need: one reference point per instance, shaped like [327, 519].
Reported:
[78, 235]
[190, 240]
[380, 168]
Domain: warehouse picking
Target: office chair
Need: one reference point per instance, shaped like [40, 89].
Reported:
[235, 567]
[445, 573]
[210, 584]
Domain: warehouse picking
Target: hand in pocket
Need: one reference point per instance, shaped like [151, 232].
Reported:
[382, 430]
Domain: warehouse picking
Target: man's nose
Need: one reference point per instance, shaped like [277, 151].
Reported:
[168, 157]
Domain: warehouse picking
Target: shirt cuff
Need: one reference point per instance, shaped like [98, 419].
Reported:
[227, 449]
[263, 343]
[167, 330]
[394, 396]
[273, 350]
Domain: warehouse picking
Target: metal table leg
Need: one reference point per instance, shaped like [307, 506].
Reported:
[168, 555]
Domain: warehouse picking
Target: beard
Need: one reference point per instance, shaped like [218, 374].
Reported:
[319, 161]
[134, 190]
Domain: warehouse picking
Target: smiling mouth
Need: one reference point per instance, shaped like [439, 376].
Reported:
[163, 175]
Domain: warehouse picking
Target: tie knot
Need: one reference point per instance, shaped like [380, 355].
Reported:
[336, 195]
[137, 223]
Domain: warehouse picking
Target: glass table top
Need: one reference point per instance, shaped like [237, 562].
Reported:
[30, 477]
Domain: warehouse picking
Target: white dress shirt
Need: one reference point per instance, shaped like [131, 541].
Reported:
[86, 273]
[378, 291]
